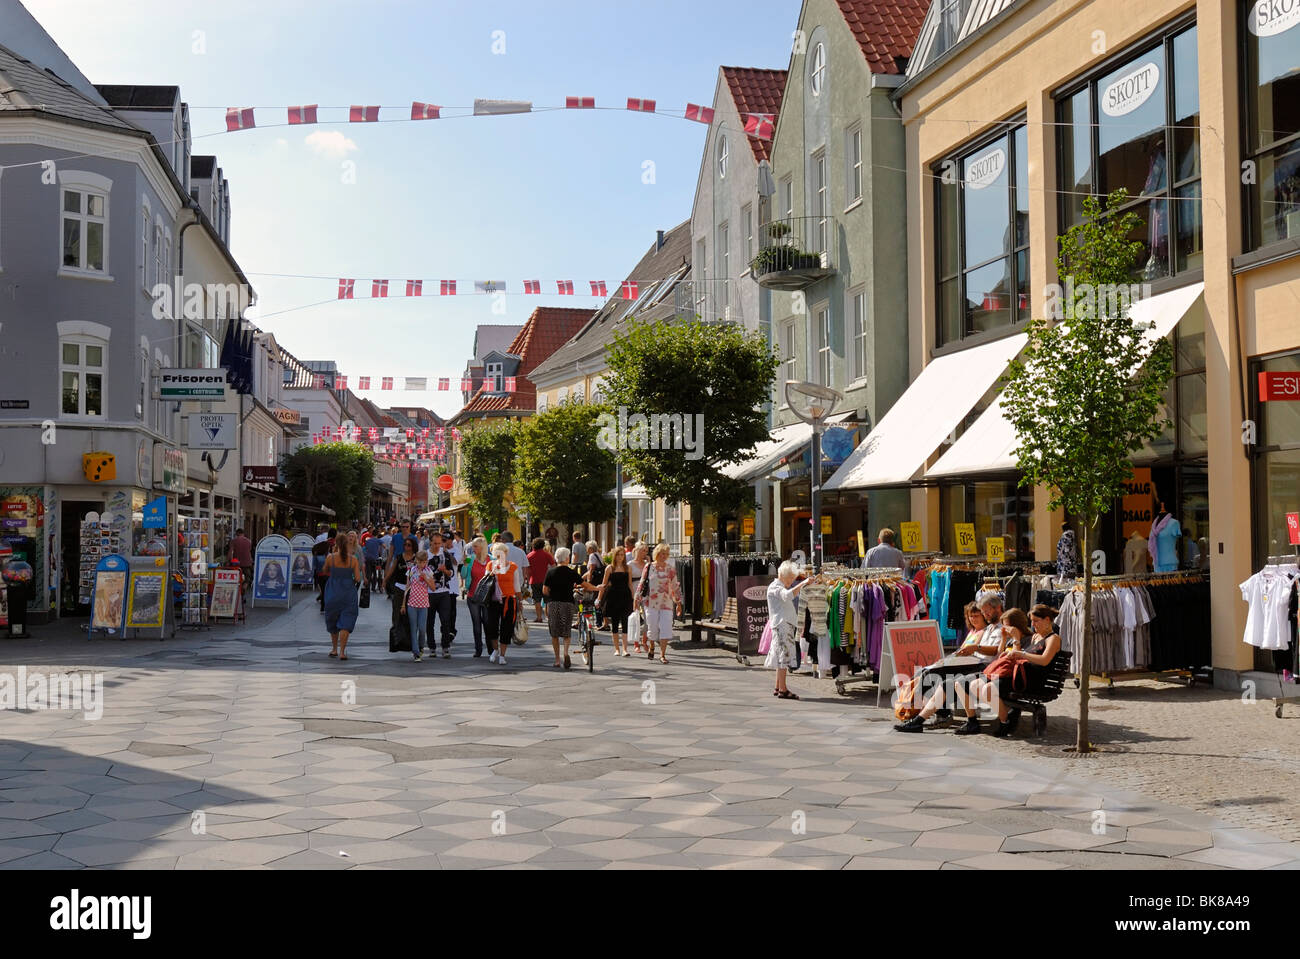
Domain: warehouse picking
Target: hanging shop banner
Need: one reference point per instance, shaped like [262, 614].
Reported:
[996, 549]
[302, 572]
[261, 474]
[170, 472]
[155, 514]
[108, 608]
[751, 612]
[1136, 506]
[907, 648]
[226, 585]
[145, 609]
[1279, 385]
[1293, 528]
[288, 417]
[911, 533]
[965, 538]
[192, 385]
[271, 566]
[212, 431]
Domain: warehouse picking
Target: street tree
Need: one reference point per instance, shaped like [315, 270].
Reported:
[487, 470]
[337, 475]
[1088, 390]
[561, 470]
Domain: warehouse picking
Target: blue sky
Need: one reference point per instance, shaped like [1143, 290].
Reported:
[556, 195]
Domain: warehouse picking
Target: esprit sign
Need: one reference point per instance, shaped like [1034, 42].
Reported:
[984, 171]
[1131, 90]
[1279, 386]
[1268, 18]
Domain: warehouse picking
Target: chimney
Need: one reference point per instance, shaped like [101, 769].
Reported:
[659, 243]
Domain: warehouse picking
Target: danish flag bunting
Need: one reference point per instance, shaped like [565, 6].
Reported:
[760, 125]
[425, 111]
[448, 288]
[455, 434]
[347, 289]
[372, 433]
[386, 383]
[363, 382]
[598, 288]
[417, 383]
[510, 384]
[532, 286]
[379, 288]
[580, 103]
[698, 113]
[318, 382]
[239, 118]
[363, 114]
[642, 106]
[340, 382]
[564, 287]
[444, 384]
[628, 290]
[415, 287]
[410, 434]
[466, 384]
[305, 114]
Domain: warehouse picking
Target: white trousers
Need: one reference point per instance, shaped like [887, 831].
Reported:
[659, 624]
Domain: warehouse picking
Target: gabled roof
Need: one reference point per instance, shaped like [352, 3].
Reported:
[756, 90]
[493, 336]
[25, 87]
[937, 38]
[886, 30]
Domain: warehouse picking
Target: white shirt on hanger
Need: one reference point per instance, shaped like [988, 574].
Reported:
[1269, 594]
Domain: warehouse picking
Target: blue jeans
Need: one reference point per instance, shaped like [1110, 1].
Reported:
[477, 615]
[419, 619]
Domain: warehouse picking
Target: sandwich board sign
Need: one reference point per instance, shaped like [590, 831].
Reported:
[271, 571]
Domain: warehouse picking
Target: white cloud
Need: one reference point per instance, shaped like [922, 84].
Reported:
[330, 143]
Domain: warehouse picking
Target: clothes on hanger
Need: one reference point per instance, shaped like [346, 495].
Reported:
[1270, 622]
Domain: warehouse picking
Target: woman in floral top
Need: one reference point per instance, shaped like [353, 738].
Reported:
[660, 595]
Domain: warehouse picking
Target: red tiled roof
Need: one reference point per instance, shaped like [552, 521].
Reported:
[756, 91]
[886, 29]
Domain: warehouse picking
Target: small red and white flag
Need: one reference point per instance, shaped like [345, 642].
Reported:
[318, 382]
[628, 290]
[564, 287]
[532, 286]
[363, 382]
[340, 382]
[698, 113]
[444, 384]
[466, 384]
[762, 126]
[598, 288]
[415, 287]
[439, 432]
[455, 433]
[373, 433]
[580, 103]
[363, 114]
[410, 434]
[303, 114]
[511, 383]
[386, 383]
[239, 118]
[425, 111]
[642, 106]
[347, 289]
[378, 287]
[448, 288]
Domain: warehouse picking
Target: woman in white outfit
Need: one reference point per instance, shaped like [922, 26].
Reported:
[663, 598]
[782, 609]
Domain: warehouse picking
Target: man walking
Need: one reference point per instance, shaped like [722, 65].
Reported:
[374, 552]
[885, 555]
[578, 551]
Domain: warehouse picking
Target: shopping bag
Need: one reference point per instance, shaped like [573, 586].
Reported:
[399, 636]
[521, 630]
[765, 642]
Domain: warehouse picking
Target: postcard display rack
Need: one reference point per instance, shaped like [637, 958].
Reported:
[197, 536]
[99, 538]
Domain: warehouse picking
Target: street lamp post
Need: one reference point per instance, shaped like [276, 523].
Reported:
[813, 403]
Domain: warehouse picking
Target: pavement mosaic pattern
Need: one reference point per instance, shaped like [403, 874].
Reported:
[246, 747]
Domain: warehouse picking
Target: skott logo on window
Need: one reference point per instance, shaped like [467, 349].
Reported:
[1131, 90]
[24, 690]
[658, 431]
[1268, 18]
[75, 913]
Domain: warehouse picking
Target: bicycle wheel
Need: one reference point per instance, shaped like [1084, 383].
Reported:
[591, 650]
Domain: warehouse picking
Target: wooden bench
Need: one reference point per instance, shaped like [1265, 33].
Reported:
[727, 625]
[1036, 702]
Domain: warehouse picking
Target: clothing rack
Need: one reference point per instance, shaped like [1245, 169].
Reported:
[1284, 559]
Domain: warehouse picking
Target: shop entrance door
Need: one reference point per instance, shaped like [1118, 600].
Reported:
[797, 532]
[70, 555]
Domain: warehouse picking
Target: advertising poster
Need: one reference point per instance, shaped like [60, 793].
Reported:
[272, 579]
[303, 569]
[145, 609]
[226, 584]
[108, 605]
[751, 612]
[908, 647]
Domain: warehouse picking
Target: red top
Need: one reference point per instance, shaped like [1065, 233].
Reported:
[539, 561]
[475, 574]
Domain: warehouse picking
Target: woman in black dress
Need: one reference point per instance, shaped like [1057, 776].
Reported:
[615, 598]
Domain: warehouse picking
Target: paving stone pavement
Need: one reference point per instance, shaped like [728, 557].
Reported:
[246, 747]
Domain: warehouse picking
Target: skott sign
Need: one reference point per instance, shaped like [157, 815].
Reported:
[1131, 90]
[986, 170]
[1268, 18]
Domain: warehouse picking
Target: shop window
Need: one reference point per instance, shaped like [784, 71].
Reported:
[1137, 127]
[1277, 462]
[1271, 84]
[983, 236]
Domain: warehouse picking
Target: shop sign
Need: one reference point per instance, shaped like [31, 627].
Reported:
[986, 170]
[446, 481]
[261, 474]
[288, 417]
[1279, 385]
[911, 537]
[826, 526]
[1131, 90]
[1136, 513]
[212, 431]
[996, 548]
[907, 648]
[15, 404]
[1268, 18]
[689, 526]
[13, 506]
[1293, 528]
[862, 546]
[746, 524]
[751, 612]
[8, 523]
[965, 538]
[173, 470]
[154, 514]
[192, 385]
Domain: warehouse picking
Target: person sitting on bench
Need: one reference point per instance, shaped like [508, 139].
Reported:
[1036, 650]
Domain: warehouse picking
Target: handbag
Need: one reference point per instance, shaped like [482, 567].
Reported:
[521, 630]
[364, 601]
[1005, 666]
[765, 641]
[486, 589]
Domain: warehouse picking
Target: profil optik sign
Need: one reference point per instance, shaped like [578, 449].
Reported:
[205, 385]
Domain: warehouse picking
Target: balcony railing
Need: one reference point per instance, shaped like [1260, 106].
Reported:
[708, 301]
[795, 253]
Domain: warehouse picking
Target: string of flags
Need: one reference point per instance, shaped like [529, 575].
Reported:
[761, 126]
[379, 289]
[393, 443]
[411, 384]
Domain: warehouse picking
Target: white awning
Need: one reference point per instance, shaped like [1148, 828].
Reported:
[930, 409]
[631, 491]
[784, 442]
[989, 445]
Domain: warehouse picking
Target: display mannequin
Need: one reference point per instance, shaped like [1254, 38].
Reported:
[1162, 543]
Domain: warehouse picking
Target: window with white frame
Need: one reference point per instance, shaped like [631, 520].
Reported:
[157, 253]
[787, 352]
[785, 196]
[84, 222]
[858, 316]
[821, 199]
[167, 264]
[562, 395]
[493, 374]
[722, 157]
[747, 222]
[817, 76]
[724, 266]
[83, 368]
[146, 228]
[853, 161]
[701, 288]
[825, 358]
[674, 525]
[579, 394]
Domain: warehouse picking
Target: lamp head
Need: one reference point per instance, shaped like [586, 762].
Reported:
[811, 402]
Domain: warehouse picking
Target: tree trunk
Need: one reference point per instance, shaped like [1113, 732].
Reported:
[1082, 744]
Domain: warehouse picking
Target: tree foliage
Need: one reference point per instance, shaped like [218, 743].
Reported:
[1088, 390]
[712, 369]
[561, 472]
[338, 475]
[487, 470]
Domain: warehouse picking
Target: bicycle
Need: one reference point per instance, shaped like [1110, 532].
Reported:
[586, 632]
